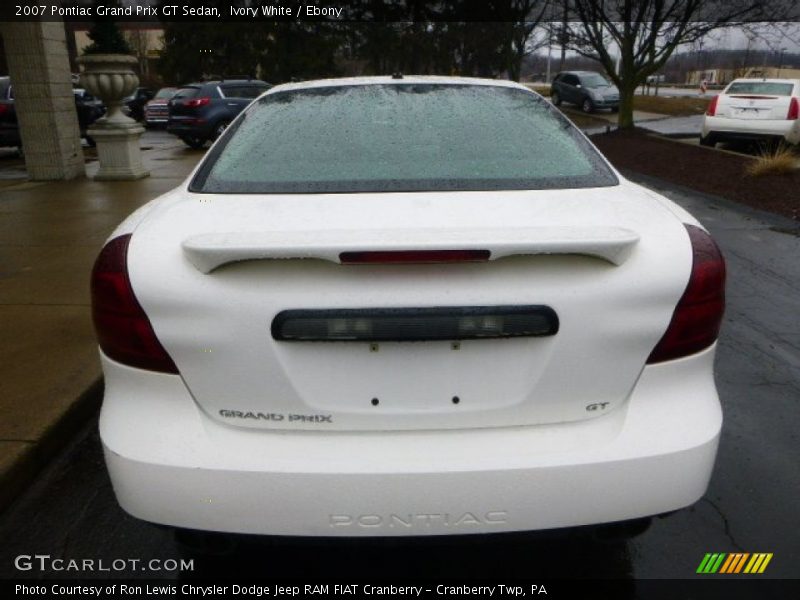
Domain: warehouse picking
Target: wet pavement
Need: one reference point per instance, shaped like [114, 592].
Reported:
[689, 126]
[676, 92]
[12, 165]
[685, 129]
[751, 505]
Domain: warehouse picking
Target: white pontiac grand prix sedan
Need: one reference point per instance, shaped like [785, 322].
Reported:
[407, 306]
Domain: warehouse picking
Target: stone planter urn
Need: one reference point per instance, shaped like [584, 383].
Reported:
[111, 78]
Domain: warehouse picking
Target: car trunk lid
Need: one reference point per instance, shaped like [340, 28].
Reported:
[753, 106]
[602, 260]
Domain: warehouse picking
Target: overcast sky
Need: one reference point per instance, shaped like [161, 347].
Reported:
[774, 37]
[769, 36]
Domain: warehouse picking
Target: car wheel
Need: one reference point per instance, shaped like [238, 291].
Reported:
[220, 128]
[194, 142]
[587, 106]
[708, 141]
[555, 99]
[90, 140]
[615, 109]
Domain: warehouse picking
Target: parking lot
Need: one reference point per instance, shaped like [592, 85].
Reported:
[751, 505]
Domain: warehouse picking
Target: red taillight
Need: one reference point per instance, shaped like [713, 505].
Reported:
[413, 257]
[697, 318]
[794, 109]
[123, 329]
[3, 109]
[712, 106]
[195, 102]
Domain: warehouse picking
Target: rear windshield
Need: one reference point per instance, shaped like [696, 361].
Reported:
[186, 92]
[765, 88]
[244, 91]
[166, 92]
[400, 137]
[593, 80]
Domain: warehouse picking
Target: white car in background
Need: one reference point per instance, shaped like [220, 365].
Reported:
[754, 109]
[407, 306]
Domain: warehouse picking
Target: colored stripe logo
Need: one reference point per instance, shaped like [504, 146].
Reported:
[736, 562]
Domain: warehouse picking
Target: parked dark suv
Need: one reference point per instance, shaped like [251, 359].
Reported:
[88, 107]
[136, 101]
[586, 89]
[199, 112]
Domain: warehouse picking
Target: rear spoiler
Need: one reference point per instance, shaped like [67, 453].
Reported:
[209, 251]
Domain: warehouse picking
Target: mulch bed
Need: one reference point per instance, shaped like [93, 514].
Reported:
[718, 173]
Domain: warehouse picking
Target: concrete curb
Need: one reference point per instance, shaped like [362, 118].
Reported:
[20, 473]
[677, 140]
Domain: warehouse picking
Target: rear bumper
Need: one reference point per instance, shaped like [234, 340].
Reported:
[171, 464]
[605, 103]
[726, 129]
[193, 129]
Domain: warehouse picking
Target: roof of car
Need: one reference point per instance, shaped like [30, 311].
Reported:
[391, 80]
[219, 81]
[580, 73]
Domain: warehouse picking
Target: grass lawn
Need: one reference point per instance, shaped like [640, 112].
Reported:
[677, 106]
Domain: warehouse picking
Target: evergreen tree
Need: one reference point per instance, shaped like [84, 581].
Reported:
[106, 38]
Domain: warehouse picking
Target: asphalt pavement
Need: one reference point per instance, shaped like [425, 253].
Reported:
[751, 505]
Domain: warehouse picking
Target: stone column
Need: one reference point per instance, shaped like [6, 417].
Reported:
[45, 105]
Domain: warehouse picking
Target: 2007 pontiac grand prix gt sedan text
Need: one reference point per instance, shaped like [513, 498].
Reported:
[407, 306]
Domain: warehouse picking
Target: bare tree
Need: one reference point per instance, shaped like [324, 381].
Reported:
[526, 16]
[773, 36]
[645, 33]
[138, 41]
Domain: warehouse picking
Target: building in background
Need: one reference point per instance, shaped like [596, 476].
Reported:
[725, 76]
[711, 76]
